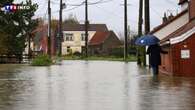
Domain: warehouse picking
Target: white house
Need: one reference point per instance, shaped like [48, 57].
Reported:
[74, 36]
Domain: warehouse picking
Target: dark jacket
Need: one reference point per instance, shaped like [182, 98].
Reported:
[154, 55]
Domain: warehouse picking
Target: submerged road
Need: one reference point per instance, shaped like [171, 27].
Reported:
[92, 85]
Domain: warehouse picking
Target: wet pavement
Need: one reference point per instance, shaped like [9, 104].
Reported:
[93, 85]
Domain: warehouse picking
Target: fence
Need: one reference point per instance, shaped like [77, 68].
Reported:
[10, 58]
[18, 58]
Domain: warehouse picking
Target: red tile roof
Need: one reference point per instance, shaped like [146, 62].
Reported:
[99, 37]
[168, 22]
[180, 31]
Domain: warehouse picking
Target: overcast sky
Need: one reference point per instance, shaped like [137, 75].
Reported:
[111, 12]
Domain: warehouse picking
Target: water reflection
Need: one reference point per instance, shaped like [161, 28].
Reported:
[94, 85]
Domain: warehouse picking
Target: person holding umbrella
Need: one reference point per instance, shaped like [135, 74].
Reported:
[154, 50]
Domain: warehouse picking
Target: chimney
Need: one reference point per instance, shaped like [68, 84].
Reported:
[183, 4]
[165, 19]
[170, 16]
[192, 9]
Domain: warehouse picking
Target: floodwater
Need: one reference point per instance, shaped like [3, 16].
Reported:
[93, 85]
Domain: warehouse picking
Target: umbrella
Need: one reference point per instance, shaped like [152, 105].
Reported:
[147, 40]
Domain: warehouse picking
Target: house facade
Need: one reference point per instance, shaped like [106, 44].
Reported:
[73, 41]
[178, 40]
[102, 43]
[74, 36]
[39, 40]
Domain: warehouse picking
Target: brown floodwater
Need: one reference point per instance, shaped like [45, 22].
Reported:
[92, 85]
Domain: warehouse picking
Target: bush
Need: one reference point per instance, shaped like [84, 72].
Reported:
[77, 53]
[42, 60]
[119, 52]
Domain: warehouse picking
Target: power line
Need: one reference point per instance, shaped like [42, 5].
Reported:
[82, 3]
[133, 21]
[79, 5]
[68, 9]
[73, 8]
[153, 9]
[100, 2]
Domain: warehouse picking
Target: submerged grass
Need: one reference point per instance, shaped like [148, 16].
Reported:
[42, 60]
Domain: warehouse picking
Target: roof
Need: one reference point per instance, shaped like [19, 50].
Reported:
[99, 37]
[184, 29]
[81, 27]
[168, 22]
[40, 28]
[182, 37]
[182, 1]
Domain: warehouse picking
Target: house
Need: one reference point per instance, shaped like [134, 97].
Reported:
[74, 36]
[177, 35]
[103, 42]
[39, 42]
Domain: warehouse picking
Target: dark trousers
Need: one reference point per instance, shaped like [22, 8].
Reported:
[155, 70]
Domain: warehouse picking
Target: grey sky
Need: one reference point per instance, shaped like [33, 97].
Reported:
[110, 13]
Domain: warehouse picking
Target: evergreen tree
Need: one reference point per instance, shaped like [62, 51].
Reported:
[15, 27]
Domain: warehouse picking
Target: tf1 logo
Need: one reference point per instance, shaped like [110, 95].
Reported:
[14, 7]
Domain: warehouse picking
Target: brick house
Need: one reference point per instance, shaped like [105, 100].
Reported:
[177, 36]
[103, 42]
[40, 40]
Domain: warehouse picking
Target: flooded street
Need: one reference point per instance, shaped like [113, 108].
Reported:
[93, 85]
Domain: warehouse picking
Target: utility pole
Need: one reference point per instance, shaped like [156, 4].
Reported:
[49, 30]
[126, 29]
[86, 28]
[29, 46]
[147, 23]
[140, 22]
[147, 16]
[60, 30]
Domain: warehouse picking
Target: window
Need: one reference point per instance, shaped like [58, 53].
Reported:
[68, 37]
[82, 37]
[68, 49]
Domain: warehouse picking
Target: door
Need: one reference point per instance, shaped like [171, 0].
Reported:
[176, 61]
